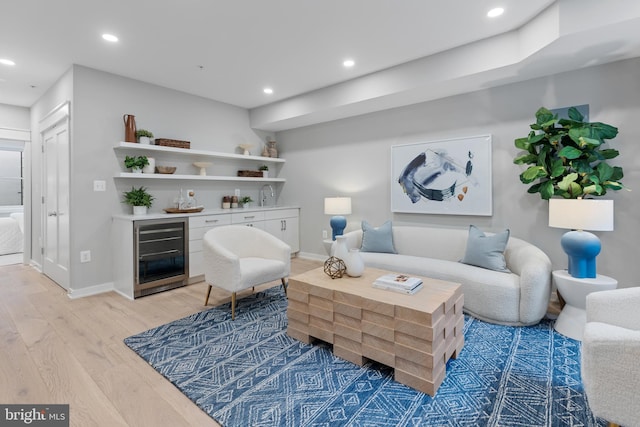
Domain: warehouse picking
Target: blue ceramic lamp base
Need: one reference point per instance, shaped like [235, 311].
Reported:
[582, 248]
[338, 223]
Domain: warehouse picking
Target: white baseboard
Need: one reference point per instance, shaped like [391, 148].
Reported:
[310, 255]
[36, 266]
[119, 292]
[91, 290]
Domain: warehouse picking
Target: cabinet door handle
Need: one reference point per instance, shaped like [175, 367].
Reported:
[211, 220]
[249, 217]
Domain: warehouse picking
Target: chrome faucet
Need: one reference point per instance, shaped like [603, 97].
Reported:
[263, 195]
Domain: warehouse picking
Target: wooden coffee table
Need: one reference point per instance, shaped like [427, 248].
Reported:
[414, 334]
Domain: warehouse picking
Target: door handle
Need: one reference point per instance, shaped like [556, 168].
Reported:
[52, 214]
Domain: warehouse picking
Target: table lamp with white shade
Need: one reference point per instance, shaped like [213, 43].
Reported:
[338, 207]
[581, 246]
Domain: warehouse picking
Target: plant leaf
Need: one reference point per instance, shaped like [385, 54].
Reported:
[546, 190]
[532, 173]
[567, 180]
[574, 114]
[557, 168]
[605, 172]
[570, 153]
[609, 153]
[525, 159]
[544, 116]
[617, 174]
[522, 143]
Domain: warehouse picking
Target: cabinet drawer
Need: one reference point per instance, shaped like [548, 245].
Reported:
[281, 214]
[198, 233]
[209, 221]
[240, 217]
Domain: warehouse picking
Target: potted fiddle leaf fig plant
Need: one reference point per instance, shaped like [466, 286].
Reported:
[139, 198]
[566, 157]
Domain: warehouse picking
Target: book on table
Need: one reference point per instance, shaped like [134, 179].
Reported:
[399, 282]
[408, 291]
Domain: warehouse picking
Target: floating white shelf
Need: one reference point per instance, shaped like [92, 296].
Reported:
[194, 153]
[195, 177]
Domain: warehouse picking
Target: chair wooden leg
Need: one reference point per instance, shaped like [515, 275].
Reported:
[206, 300]
[612, 425]
[284, 286]
[233, 306]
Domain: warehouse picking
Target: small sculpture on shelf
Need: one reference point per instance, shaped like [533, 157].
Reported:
[273, 151]
[246, 149]
[334, 267]
[203, 167]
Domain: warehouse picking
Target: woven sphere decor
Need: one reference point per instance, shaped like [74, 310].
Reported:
[334, 267]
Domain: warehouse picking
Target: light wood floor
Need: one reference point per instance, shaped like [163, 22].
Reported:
[54, 350]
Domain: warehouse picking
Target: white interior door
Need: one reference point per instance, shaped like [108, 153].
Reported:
[56, 249]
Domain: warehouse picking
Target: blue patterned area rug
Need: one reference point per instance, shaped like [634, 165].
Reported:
[248, 372]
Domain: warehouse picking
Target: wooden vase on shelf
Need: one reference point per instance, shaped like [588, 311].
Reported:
[129, 128]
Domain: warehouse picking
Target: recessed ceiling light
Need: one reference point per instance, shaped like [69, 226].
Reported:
[268, 90]
[349, 63]
[5, 61]
[110, 37]
[495, 12]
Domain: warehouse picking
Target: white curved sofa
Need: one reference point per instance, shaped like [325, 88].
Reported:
[517, 298]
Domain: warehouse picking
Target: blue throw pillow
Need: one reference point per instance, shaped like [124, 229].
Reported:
[486, 251]
[378, 239]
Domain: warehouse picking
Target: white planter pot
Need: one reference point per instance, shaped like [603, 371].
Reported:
[136, 170]
[265, 174]
[151, 167]
[139, 210]
[145, 140]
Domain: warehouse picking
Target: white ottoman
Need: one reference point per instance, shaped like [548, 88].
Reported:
[574, 291]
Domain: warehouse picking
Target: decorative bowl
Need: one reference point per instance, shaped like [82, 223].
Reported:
[165, 169]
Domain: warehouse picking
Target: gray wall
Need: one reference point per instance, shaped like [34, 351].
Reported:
[98, 102]
[14, 117]
[351, 157]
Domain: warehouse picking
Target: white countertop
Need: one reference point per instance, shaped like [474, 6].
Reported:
[206, 211]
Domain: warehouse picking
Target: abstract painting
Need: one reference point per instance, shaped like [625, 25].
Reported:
[451, 176]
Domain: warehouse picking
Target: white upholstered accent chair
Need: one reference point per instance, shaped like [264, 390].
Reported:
[238, 257]
[611, 355]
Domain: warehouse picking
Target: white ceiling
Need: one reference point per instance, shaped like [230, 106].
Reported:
[293, 46]
[228, 50]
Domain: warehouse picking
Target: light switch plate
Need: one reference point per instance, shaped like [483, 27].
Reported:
[99, 186]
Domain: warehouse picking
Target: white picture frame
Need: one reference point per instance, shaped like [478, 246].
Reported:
[450, 177]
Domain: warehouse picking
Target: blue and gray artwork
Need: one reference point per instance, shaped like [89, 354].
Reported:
[436, 176]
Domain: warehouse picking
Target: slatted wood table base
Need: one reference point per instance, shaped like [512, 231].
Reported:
[414, 334]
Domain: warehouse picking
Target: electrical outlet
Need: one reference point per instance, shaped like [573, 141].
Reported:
[325, 234]
[99, 186]
[85, 256]
[237, 192]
